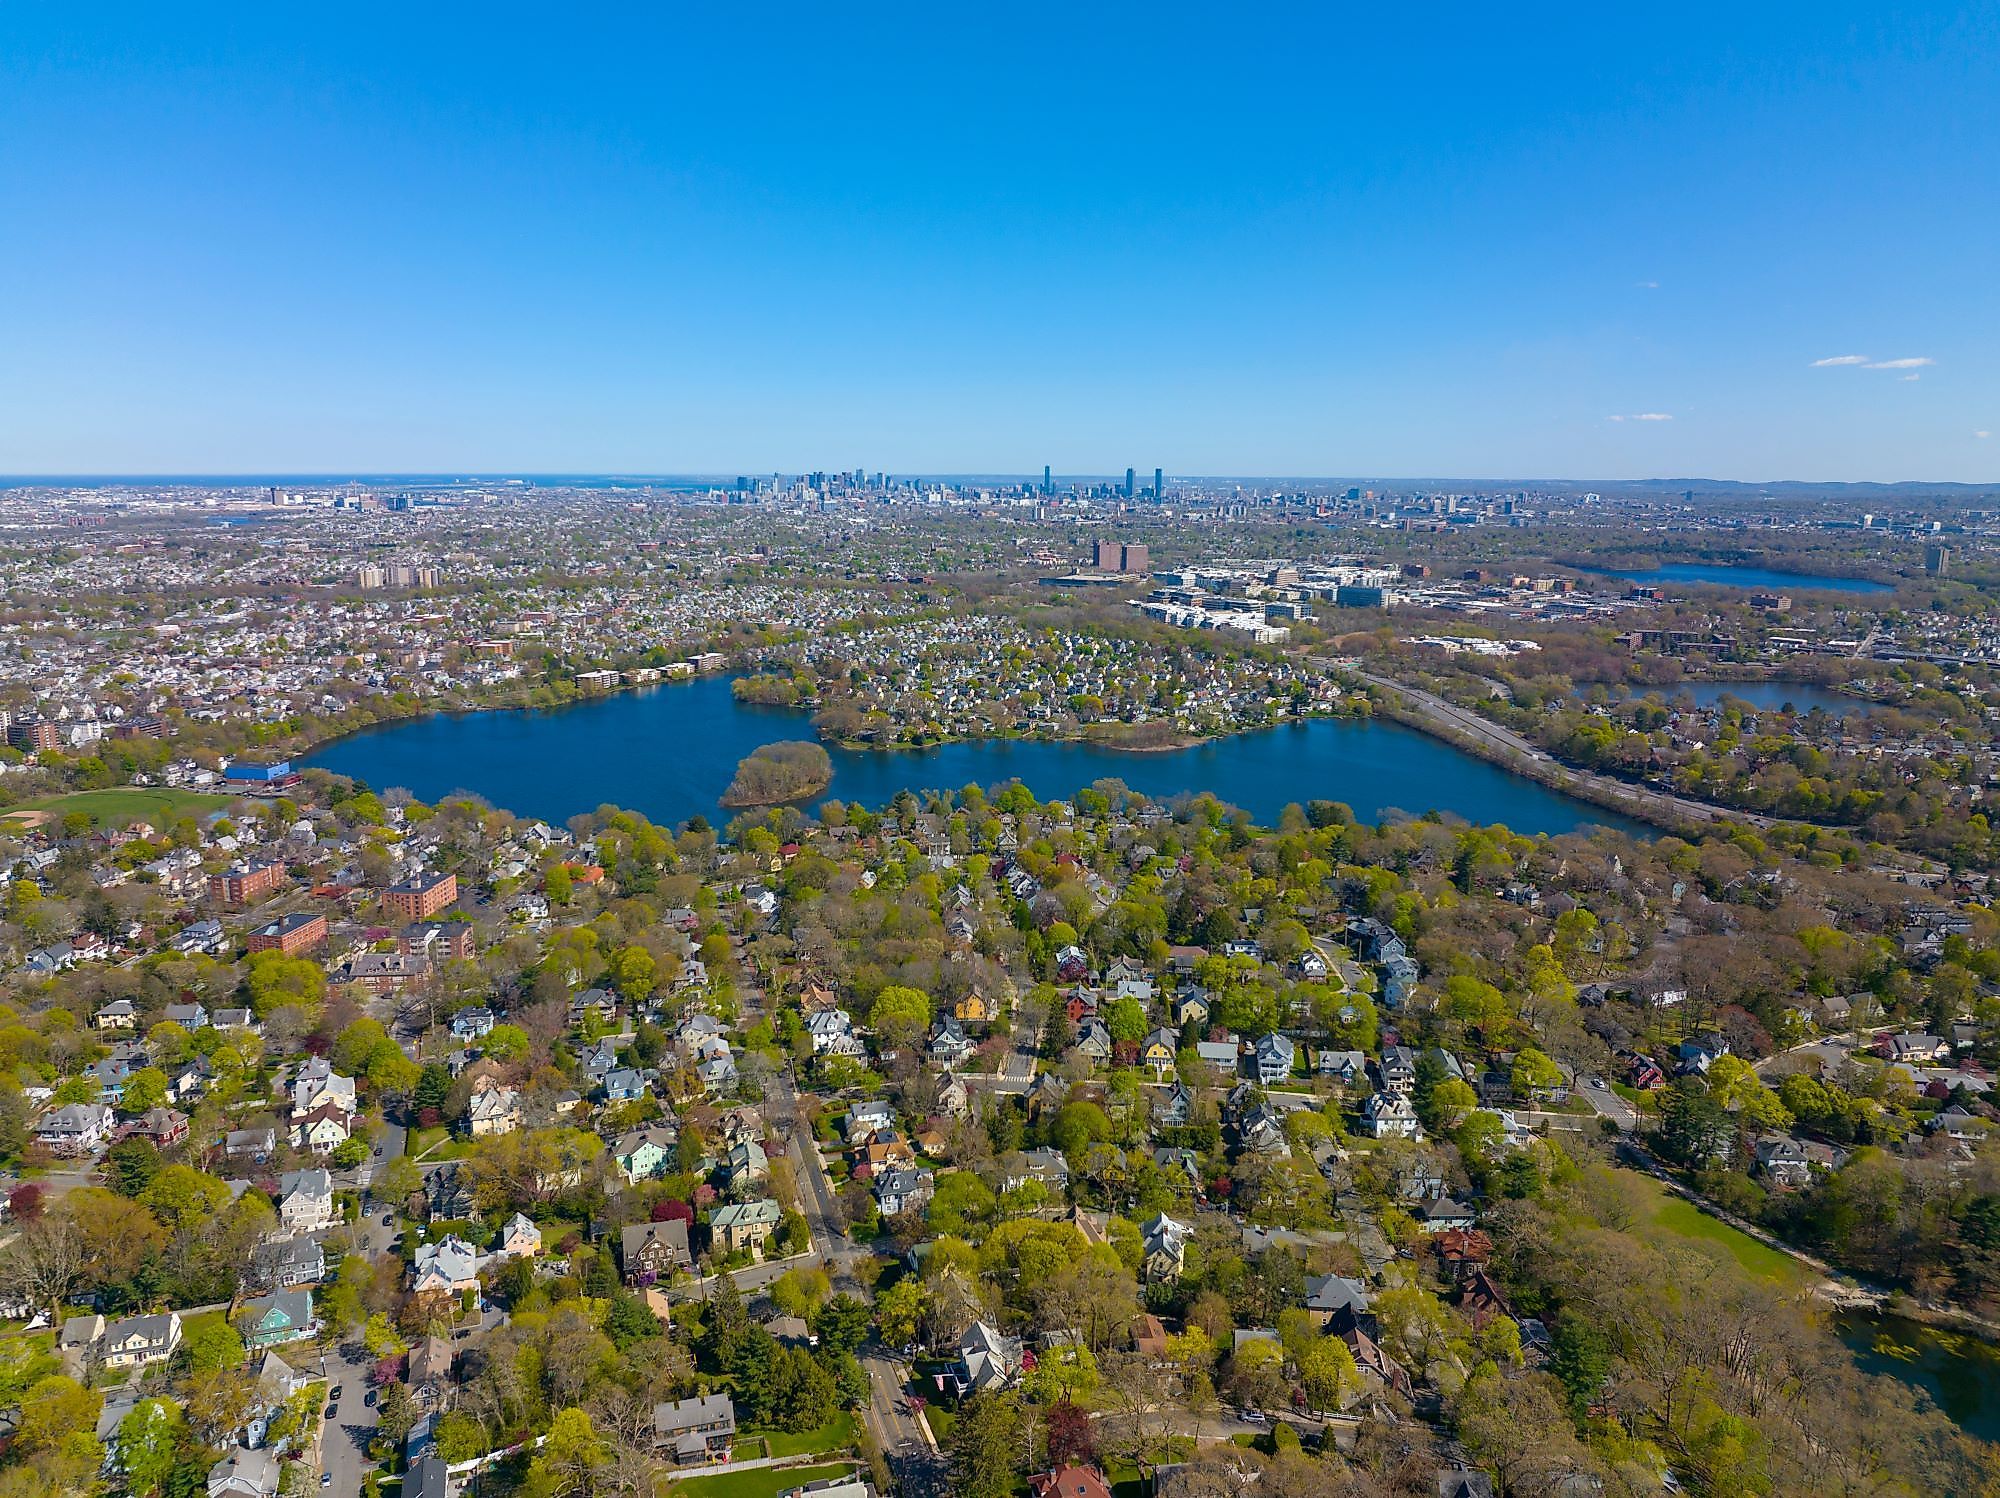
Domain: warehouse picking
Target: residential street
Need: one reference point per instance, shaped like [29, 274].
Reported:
[343, 1445]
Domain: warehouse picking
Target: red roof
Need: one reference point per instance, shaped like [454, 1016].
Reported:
[1070, 1482]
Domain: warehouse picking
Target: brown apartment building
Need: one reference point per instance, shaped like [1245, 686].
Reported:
[290, 934]
[246, 883]
[422, 896]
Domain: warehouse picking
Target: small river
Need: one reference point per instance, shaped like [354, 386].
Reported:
[670, 751]
[1741, 577]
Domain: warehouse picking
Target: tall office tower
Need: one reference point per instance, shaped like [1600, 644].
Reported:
[1128, 483]
[1047, 488]
[1159, 483]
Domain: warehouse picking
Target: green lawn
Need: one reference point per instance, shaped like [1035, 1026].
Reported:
[435, 1144]
[1676, 1215]
[836, 1435]
[114, 808]
[761, 1482]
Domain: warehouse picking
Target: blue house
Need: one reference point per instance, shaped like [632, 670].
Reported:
[282, 1317]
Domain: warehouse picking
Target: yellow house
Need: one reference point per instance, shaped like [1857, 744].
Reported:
[973, 1009]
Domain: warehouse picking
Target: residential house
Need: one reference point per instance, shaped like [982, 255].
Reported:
[1330, 1294]
[429, 1373]
[1163, 1247]
[520, 1239]
[305, 1201]
[469, 1024]
[190, 1017]
[898, 1191]
[1344, 1067]
[256, 1145]
[163, 1127]
[988, 1361]
[493, 1110]
[645, 1154]
[696, 1430]
[1157, 1051]
[949, 1045]
[1388, 1115]
[244, 1474]
[451, 1265]
[139, 1341]
[654, 1251]
[1069, 1481]
[74, 1129]
[1093, 1041]
[744, 1226]
[628, 1084]
[746, 1165]
[287, 1263]
[1273, 1056]
[1399, 1070]
[269, 1320]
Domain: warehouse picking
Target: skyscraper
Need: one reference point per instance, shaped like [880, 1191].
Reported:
[1047, 487]
[1128, 483]
[1159, 483]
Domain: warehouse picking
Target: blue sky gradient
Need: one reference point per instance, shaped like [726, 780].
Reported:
[1221, 239]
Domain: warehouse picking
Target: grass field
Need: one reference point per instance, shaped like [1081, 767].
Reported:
[760, 1482]
[836, 1435]
[114, 808]
[1671, 1214]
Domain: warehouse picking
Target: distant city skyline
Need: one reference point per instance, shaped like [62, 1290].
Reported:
[1581, 246]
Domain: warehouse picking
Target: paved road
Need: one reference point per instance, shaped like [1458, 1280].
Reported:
[920, 1471]
[1637, 800]
[344, 1443]
[1608, 1103]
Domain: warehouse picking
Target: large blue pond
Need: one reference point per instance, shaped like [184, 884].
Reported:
[669, 752]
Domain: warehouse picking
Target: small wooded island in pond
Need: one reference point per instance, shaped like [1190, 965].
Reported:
[786, 771]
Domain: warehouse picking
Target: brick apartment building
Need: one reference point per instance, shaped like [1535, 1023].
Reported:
[292, 934]
[246, 883]
[421, 896]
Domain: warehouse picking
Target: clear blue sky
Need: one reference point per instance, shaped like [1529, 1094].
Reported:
[1221, 239]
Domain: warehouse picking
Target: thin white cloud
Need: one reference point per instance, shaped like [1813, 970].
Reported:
[1644, 416]
[1649, 285]
[1909, 377]
[1982, 435]
[1900, 363]
[1839, 359]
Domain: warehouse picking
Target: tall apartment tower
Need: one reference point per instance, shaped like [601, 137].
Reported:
[1937, 560]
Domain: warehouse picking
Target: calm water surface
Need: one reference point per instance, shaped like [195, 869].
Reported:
[670, 751]
[1960, 1372]
[1741, 577]
[1802, 696]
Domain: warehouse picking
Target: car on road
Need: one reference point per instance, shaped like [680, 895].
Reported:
[368, 1399]
[388, 1219]
[1252, 1417]
[326, 1479]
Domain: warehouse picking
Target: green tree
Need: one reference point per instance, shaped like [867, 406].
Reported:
[900, 1014]
[146, 1446]
[985, 1446]
[145, 1090]
[211, 1345]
